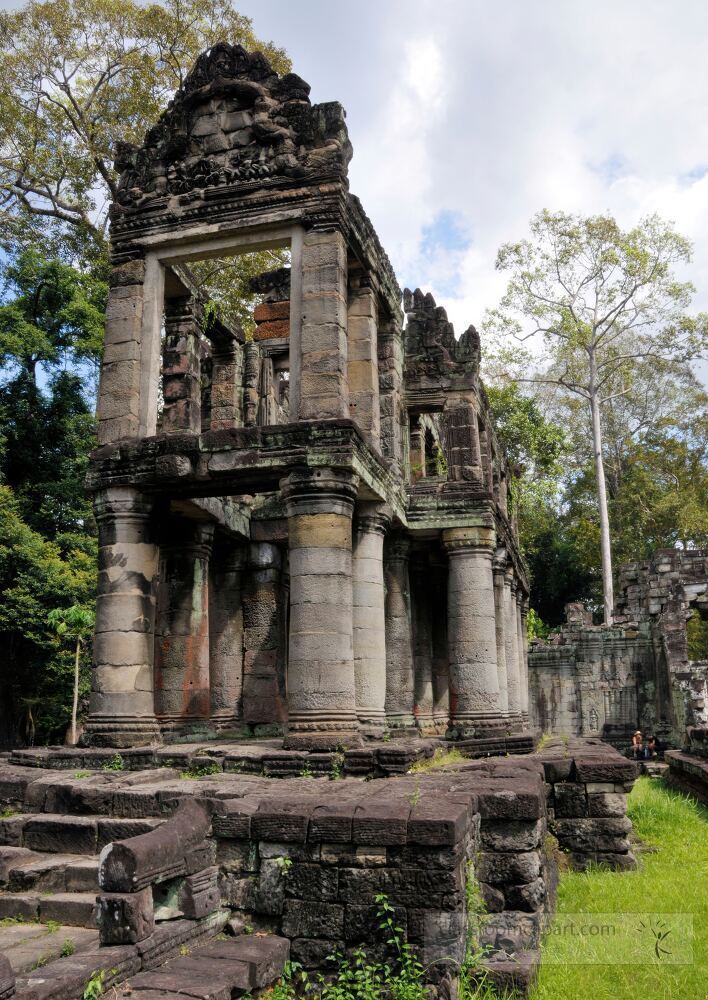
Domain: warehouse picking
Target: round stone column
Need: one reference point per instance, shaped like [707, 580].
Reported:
[400, 676]
[122, 709]
[369, 618]
[321, 682]
[423, 702]
[511, 635]
[521, 613]
[183, 700]
[226, 634]
[499, 569]
[474, 685]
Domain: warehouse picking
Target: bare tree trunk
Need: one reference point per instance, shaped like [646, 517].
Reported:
[605, 547]
[75, 705]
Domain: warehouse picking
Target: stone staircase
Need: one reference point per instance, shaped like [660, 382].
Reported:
[49, 884]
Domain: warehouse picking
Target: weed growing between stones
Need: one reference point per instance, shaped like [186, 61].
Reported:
[94, 987]
[68, 948]
[337, 770]
[441, 758]
[358, 977]
[116, 763]
[201, 772]
[8, 812]
[82, 774]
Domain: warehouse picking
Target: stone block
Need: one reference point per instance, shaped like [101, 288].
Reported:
[75, 909]
[607, 804]
[569, 799]
[281, 820]
[313, 919]
[510, 869]
[436, 820]
[529, 897]
[381, 822]
[312, 882]
[125, 918]
[312, 953]
[592, 835]
[61, 834]
[512, 835]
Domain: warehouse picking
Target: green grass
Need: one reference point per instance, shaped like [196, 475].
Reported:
[672, 879]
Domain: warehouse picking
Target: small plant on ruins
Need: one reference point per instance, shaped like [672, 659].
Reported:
[116, 763]
[306, 771]
[94, 987]
[82, 774]
[201, 771]
[52, 926]
[414, 797]
[68, 948]
[337, 769]
[285, 864]
[7, 812]
[440, 758]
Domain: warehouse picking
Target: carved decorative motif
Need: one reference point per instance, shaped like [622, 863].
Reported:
[234, 122]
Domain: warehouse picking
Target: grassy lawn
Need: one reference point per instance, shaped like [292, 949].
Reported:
[671, 879]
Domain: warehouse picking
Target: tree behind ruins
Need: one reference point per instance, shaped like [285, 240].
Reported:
[591, 310]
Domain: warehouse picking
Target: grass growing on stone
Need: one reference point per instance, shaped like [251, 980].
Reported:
[672, 878]
[440, 758]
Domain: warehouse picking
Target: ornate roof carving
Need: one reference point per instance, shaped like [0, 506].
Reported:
[234, 122]
[431, 347]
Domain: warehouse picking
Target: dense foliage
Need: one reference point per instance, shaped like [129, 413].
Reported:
[75, 79]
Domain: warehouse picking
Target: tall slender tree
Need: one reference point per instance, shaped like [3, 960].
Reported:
[588, 305]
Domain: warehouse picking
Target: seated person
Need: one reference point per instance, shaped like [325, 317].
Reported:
[637, 744]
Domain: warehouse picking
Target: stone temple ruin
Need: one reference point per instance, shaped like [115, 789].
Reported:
[594, 680]
[312, 534]
[309, 583]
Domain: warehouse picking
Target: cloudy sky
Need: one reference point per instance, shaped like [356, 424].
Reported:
[468, 116]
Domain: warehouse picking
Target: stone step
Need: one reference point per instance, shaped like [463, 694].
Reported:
[22, 870]
[214, 971]
[33, 946]
[73, 909]
[67, 978]
[57, 833]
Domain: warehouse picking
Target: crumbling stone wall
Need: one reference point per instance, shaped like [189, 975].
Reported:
[611, 680]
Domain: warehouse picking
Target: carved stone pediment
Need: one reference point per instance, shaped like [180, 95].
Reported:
[432, 351]
[234, 122]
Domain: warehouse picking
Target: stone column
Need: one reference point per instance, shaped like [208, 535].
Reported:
[521, 613]
[226, 385]
[390, 358]
[118, 408]
[513, 676]
[321, 679]
[499, 568]
[183, 700]
[265, 627]
[122, 709]
[181, 368]
[226, 634]
[420, 574]
[321, 365]
[474, 686]
[400, 676]
[369, 619]
[363, 362]
[441, 660]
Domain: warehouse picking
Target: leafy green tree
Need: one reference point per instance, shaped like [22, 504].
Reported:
[78, 76]
[37, 575]
[75, 623]
[597, 303]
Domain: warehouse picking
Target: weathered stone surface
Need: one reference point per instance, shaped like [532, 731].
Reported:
[125, 918]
